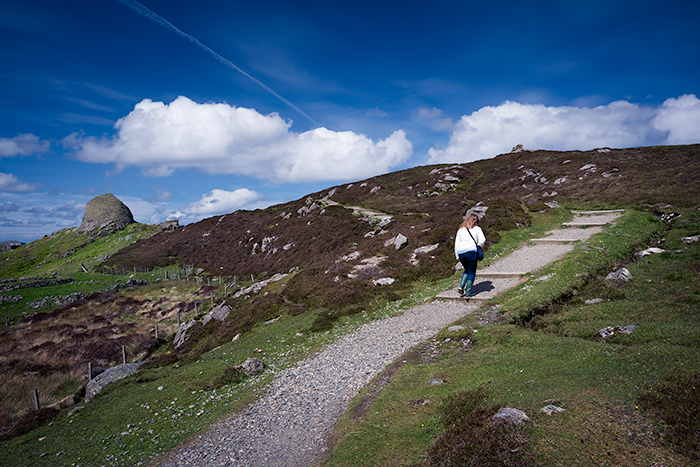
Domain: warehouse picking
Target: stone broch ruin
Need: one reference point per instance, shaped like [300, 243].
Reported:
[105, 212]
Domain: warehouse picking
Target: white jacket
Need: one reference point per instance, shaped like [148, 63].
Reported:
[464, 242]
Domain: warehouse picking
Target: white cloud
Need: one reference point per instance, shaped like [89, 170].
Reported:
[69, 211]
[219, 138]
[9, 183]
[22, 145]
[9, 206]
[433, 118]
[218, 202]
[681, 119]
[161, 195]
[490, 131]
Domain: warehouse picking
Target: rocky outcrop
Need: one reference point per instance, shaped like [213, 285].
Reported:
[181, 335]
[105, 212]
[109, 376]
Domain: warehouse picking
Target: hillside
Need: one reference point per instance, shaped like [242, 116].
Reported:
[303, 233]
[310, 263]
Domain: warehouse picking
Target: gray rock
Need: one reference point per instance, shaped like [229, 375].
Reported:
[693, 239]
[105, 212]
[648, 252]
[617, 330]
[593, 301]
[479, 210]
[456, 328]
[75, 410]
[219, 313]
[252, 366]
[384, 281]
[621, 275]
[181, 335]
[399, 242]
[435, 381]
[551, 409]
[510, 415]
[421, 251]
[109, 376]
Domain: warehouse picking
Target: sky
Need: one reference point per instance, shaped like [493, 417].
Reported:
[191, 109]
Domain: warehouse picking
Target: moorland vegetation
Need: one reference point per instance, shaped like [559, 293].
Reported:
[328, 249]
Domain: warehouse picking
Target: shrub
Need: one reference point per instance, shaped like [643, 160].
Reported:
[677, 405]
[28, 422]
[472, 438]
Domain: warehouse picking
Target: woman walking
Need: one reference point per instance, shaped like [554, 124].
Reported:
[469, 237]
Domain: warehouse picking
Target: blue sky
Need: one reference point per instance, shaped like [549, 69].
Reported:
[188, 109]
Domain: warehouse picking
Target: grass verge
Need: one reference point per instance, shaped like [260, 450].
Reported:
[628, 400]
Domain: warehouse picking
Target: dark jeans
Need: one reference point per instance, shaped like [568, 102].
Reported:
[469, 262]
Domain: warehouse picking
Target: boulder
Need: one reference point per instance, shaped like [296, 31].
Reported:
[109, 376]
[384, 281]
[421, 251]
[510, 415]
[479, 210]
[252, 366]
[399, 242]
[611, 331]
[219, 313]
[649, 251]
[181, 335]
[105, 212]
[551, 409]
[622, 275]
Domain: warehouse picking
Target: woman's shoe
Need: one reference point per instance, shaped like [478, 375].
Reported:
[460, 291]
[470, 294]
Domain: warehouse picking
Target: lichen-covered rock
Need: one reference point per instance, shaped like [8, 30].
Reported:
[181, 335]
[105, 212]
[511, 415]
[219, 313]
[252, 366]
[109, 376]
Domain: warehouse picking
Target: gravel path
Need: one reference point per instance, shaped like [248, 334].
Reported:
[288, 427]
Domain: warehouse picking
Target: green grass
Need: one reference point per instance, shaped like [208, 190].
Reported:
[600, 383]
[600, 255]
[558, 361]
[133, 420]
[48, 254]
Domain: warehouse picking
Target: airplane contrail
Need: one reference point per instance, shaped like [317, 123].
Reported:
[159, 20]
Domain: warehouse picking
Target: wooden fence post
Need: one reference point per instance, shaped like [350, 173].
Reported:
[156, 332]
[212, 299]
[36, 399]
[124, 355]
[89, 371]
[178, 317]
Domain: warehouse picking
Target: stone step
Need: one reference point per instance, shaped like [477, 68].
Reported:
[554, 240]
[500, 275]
[453, 295]
[598, 213]
[585, 223]
[485, 287]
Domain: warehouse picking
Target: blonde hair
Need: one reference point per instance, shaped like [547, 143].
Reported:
[470, 222]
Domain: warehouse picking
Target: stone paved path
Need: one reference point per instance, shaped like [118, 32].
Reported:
[507, 272]
[290, 424]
